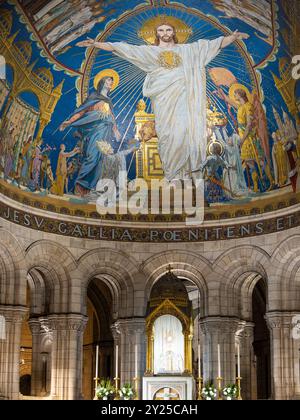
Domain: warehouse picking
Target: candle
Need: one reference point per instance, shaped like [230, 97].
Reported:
[97, 361]
[219, 361]
[239, 361]
[199, 360]
[136, 361]
[117, 361]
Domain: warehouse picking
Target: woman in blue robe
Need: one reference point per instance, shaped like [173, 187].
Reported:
[95, 122]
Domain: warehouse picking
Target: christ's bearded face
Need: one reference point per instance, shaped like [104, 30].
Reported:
[165, 33]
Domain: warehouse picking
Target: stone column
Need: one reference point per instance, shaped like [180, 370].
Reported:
[67, 353]
[10, 351]
[219, 330]
[36, 373]
[116, 333]
[40, 375]
[132, 333]
[45, 356]
[245, 338]
[296, 351]
[284, 355]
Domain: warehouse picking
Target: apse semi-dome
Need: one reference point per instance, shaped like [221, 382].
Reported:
[66, 132]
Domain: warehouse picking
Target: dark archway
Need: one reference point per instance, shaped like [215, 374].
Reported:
[35, 355]
[25, 385]
[25, 357]
[261, 344]
[97, 333]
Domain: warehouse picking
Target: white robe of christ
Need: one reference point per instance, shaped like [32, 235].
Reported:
[178, 97]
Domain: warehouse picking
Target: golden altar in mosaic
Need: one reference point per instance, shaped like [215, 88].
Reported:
[148, 163]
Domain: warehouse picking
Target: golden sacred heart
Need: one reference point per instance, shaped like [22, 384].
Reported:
[169, 59]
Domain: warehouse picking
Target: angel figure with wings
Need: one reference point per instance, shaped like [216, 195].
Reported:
[251, 126]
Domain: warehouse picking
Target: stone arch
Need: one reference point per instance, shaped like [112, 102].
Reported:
[246, 289]
[38, 293]
[54, 263]
[284, 249]
[117, 270]
[188, 265]
[7, 276]
[286, 275]
[236, 273]
[13, 270]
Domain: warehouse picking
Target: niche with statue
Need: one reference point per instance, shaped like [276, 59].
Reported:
[169, 341]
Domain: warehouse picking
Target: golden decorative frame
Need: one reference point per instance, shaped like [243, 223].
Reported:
[167, 307]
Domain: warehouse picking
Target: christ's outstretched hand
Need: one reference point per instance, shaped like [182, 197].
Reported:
[228, 40]
[86, 43]
[240, 35]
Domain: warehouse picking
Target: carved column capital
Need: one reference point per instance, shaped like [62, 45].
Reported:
[220, 325]
[68, 322]
[245, 329]
[282, 320]
[14, 314]
[131, 326]
[35, 326]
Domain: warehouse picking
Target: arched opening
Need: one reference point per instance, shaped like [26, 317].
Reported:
[26, 352]
[253, 336]
[36, 337]
[172, 352]
[195, 298]
[25, 385]
[261, 343]
[97, 333]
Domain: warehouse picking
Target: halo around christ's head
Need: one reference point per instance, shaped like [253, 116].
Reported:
[107, 73]
[148, 30]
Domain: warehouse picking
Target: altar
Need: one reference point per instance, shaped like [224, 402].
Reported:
[168, 388]
[169, 342]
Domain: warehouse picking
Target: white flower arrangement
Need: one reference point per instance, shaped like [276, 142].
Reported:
[105, 147]
[209, 392]
[126, 392]
[105, 390]
[230, 392]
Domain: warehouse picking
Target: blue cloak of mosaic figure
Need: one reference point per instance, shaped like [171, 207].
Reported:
[95, 122]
